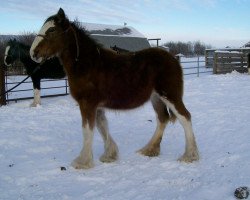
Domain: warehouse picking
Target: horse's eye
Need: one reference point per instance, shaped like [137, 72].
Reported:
[51, 30]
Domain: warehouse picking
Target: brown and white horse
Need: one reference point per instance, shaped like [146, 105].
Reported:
[100, 78]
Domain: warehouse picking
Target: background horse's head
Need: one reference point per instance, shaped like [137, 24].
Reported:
[48, 42]
[12, 52]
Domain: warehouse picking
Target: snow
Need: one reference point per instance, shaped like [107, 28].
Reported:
[104, 27]
[36, 142]
[233, 52]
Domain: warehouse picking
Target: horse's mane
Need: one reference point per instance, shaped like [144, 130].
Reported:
[81, 30]
[18, 42]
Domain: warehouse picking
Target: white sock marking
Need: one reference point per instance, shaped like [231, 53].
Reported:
[37, 97]
[187, 125]
[86, 152]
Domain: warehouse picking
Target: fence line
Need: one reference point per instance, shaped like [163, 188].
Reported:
[226, 62]
[199, 69]
[209, 54]
[65, 88]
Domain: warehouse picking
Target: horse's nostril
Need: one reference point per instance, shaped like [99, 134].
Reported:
[34, 54]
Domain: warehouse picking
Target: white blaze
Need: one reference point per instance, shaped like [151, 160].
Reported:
[38, 39]
[6, 54]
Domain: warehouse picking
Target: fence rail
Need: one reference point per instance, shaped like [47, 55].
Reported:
[195, 67]
[60, 87]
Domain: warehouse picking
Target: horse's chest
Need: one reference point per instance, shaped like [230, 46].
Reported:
[82, 88]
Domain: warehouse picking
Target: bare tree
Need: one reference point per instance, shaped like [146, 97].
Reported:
[26, 37]
[187, 48]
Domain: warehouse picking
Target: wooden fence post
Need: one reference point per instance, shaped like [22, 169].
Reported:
[215, 63]
[248, 63]
[206, 60]
[2, 87]
[178, 58]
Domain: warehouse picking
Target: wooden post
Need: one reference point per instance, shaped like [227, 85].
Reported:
[248, 63]
[206, 59]
[2, 87]
[157, 41]
[198, 68]
[215, 63]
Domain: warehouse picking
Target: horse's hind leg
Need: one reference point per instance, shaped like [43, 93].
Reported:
[180, 111]
[153, 146]
[111, 149]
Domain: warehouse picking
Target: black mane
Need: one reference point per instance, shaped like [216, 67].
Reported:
[78, 28]
[23, 48]
[81, 30]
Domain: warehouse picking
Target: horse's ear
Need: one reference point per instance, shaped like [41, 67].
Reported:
[61, 14]
[14, 40]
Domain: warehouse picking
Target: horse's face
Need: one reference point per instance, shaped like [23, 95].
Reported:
[48, 43]
[11, 52]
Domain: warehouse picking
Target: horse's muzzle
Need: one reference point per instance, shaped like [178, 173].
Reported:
[34, 56]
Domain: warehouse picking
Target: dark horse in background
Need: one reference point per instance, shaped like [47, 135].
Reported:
[51, 68]
[100, 78]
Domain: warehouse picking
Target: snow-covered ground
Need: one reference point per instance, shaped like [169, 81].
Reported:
[36, 142]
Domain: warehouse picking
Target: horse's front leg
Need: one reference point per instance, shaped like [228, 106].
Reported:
[37, 88]
[85, 159]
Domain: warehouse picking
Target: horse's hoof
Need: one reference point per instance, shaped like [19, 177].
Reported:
[189, 158]
[34, 104]
[81, 164]
[149, 152]
[108, 159]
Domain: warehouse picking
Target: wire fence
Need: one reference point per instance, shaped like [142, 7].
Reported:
[52, 88]
[49, 88]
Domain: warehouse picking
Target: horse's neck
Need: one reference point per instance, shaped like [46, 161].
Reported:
[80, 48]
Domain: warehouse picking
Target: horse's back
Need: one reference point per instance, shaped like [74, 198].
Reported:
[131, 78]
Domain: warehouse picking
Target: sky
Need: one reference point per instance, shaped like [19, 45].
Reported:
[219, 23]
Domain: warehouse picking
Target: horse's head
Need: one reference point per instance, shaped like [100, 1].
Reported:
[11, 52]
[49, 41]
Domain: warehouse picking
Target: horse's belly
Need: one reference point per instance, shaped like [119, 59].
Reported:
[127, 100]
